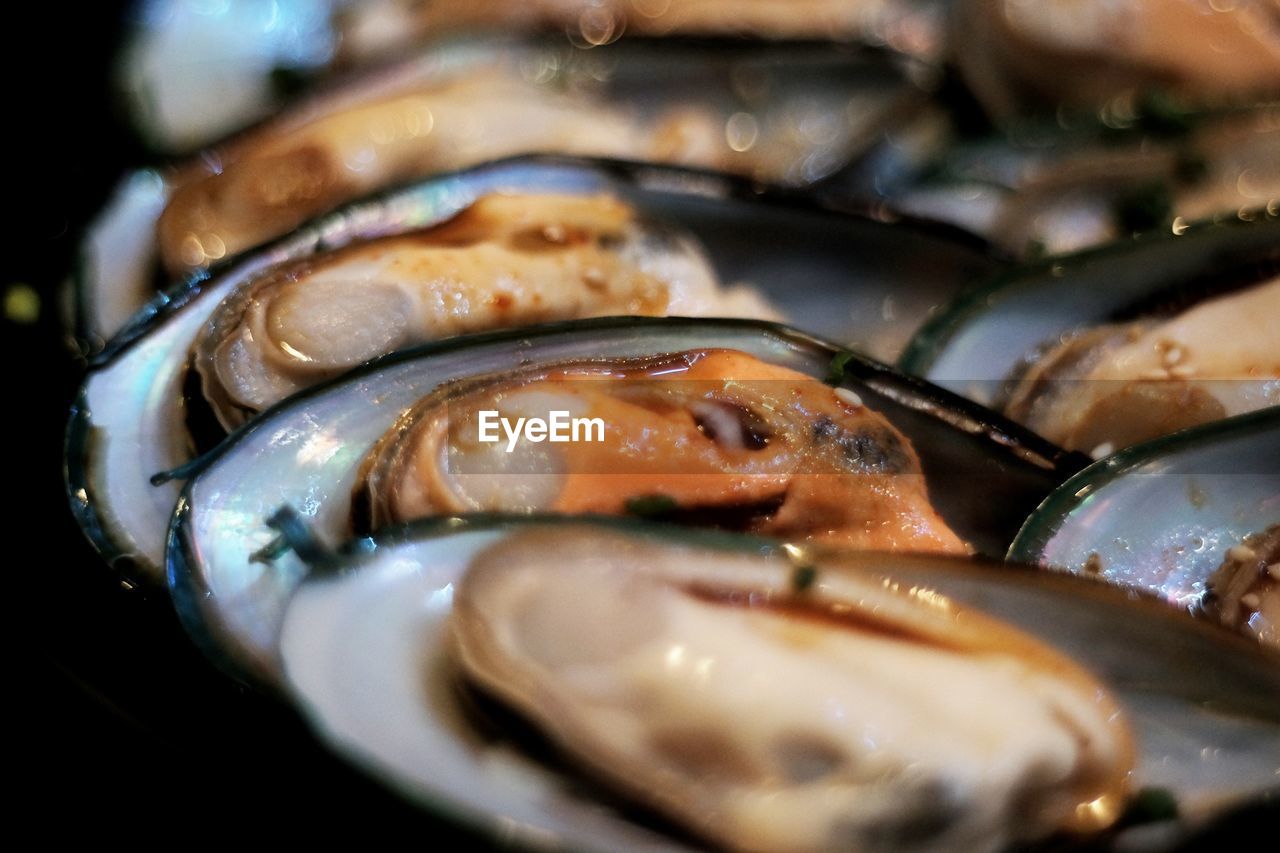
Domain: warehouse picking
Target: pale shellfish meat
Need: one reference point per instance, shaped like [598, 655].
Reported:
[1114, 386]
[849, 713]
[1244, 593]
[505, 261]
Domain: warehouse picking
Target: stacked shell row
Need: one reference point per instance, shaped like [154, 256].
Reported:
[710, 247]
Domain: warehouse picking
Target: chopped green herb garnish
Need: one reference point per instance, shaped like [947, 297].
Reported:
[803, 578]
[272, 551]
[1150, 805]
[647, 506]
[840, 361]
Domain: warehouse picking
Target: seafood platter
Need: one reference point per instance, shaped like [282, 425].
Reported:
[672, 424]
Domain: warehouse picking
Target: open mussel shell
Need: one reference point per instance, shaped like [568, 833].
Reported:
[1071, 54]
[1160, 516]
[362, 652]
[852, 277]
[1046, 187]
[307, 453]
[978, 341]
[910, 27]
[794, 114]
[192, 72]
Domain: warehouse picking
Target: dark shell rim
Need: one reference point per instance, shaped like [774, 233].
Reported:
[970, 307]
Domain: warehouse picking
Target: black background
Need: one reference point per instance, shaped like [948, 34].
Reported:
[122, 729]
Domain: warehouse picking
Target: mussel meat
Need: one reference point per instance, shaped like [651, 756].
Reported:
[444, 112]
[1017, 54]
[504, 261]
[794, 115]
[193, 71]
[1116, 385]
[716, 437]
[1244, 593]
[847, 713]
[1120, 344]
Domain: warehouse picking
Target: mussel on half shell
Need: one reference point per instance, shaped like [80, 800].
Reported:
[369, 649]
[1052, 187]
[782, 114]
[308, 453]
[1017, 55]
[1113, 346]
[504, 261]
[768, 718]
[912, 27]
[134, 418]
[710, 437]
[192, 72]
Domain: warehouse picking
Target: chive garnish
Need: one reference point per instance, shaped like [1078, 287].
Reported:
[840, 361]
[647, 506]
[1150, 805]
[803, 578]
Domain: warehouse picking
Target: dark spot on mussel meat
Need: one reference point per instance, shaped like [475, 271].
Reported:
[869, 449]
